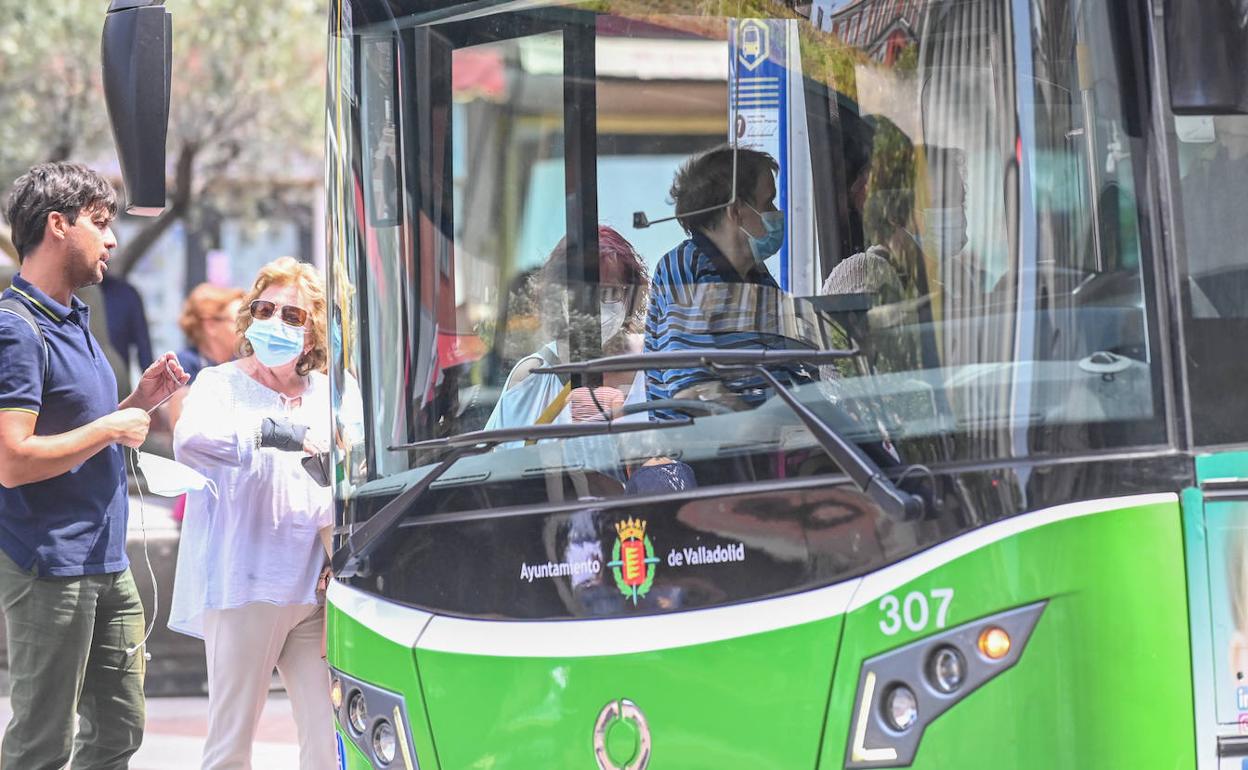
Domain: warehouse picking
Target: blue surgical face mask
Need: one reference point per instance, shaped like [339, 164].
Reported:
[773, 236]
[275, 343]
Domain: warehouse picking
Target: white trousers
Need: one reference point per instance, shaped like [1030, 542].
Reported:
[244, 645]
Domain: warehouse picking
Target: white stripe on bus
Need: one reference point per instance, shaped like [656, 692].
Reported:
[889, 579]
[401, 625]
[622, 636]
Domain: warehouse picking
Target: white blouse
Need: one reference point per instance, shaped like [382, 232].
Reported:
[259, 541]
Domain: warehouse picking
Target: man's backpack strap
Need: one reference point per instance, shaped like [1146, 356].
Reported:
[18, 308]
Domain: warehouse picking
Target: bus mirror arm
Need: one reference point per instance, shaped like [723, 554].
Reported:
[641, 221]
[867, 475]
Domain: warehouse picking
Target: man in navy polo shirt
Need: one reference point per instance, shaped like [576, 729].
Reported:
[75, 621]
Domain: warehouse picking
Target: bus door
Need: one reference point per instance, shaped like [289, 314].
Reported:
[1217, 551]
[1207, 135]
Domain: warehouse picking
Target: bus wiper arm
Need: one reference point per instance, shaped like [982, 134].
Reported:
[352, 557]
[866, 474]
[534, 433]
[680, 359]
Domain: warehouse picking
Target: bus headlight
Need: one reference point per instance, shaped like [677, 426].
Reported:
[357, 713]
[376, 722]
[901, 708]
[385, 742]
[946, 669]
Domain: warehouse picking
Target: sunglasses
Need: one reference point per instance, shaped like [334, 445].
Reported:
[262, 310]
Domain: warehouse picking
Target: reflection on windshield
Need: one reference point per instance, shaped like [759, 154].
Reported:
[958, 210]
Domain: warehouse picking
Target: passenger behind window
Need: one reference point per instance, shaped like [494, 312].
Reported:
[536, 399]
[888, 199]
[712, 291]
[923, 237]
[870, 273]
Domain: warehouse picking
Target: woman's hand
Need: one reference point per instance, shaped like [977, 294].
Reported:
[313, 447]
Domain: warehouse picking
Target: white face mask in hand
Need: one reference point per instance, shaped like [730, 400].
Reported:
[170, 478]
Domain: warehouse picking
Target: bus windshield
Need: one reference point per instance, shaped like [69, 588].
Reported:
[943, 189]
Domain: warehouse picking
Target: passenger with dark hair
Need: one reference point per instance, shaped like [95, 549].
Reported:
[75, 621]
[713, 291]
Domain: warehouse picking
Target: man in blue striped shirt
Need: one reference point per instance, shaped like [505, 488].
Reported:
[713, 291]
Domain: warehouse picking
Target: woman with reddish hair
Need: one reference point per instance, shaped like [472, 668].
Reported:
[208, 321]
[621, 292]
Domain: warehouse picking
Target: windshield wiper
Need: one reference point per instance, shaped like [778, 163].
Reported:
[531, 433]
[352, 557]
[679, 359]
[864, 471]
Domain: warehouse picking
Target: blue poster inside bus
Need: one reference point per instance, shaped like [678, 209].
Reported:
[758, 107]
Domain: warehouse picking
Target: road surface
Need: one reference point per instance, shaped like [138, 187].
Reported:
[174, 739]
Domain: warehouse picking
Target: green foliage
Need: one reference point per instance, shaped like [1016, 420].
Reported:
[827, 60]
[248, 85]
[890, 196]
[49, 83]
[247, 94]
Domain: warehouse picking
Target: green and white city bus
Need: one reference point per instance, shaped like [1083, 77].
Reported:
[985, 504]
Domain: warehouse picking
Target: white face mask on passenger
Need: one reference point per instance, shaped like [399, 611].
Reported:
[613, 316]
[944, 231]
[170, 478]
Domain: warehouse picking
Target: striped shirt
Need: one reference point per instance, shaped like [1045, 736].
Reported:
[699, 301]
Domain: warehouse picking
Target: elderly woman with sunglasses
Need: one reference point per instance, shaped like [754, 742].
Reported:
[253, 550]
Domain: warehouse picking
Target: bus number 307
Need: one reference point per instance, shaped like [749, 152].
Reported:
[914, 612]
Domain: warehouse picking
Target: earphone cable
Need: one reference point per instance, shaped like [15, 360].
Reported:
[134, 453]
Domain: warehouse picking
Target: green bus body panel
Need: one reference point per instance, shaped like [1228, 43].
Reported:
[1104, 682]
[755, 701]
[364, 654]
[356, 759]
